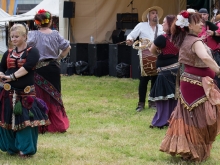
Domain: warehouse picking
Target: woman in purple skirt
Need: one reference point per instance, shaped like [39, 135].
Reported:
[163, 91]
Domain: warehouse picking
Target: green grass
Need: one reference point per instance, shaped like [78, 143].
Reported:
[104, 128]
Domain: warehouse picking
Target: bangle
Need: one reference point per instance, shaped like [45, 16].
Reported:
[12, 76]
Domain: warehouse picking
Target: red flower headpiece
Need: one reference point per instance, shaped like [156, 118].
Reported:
[41, 11]
[185, 14]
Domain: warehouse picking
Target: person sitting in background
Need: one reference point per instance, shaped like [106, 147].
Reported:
[47, 75]
[21, 112]
[163, 91]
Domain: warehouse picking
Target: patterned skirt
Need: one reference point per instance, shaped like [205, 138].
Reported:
[19, 110]
[195, 122]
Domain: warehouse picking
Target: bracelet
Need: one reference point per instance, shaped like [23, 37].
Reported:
[12, 76]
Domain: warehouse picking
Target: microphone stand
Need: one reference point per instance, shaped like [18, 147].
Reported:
[131, 3]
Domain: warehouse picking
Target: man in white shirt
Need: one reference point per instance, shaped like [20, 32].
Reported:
[148, 29]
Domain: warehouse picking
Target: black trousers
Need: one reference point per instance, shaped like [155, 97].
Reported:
[142, 90]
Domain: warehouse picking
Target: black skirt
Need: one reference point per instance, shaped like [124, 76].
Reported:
[33, 111]
[164, 87]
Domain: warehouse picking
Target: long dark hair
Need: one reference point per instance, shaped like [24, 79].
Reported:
[178, 34]
[170, 19]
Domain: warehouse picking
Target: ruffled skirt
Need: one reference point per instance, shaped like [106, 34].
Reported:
[191, 133]
[164, 87]
[195, 122]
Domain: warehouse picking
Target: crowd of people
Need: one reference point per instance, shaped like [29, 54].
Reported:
[185, 63]
[186, 47]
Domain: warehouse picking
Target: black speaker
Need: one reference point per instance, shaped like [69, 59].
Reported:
[96, 52]
[135, 64]
[127, 17]
[118, 54]
[126, 25]
[113, 59]
[79, 52]
[68, 9]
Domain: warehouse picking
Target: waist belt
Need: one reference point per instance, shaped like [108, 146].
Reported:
[26, 90]
[193, 79]
[45, 62]
[172, 66]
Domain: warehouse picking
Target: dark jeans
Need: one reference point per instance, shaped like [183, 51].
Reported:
[142, 91]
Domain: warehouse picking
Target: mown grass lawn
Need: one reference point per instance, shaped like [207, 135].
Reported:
[104, 128]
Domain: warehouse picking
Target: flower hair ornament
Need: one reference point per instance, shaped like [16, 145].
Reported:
[182, 19]
[47, 14]
[41, 11]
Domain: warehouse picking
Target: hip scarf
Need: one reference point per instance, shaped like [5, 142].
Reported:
[192, 93]
[48, 87]
[17, 107]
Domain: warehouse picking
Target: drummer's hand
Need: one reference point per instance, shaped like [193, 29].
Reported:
[129, 42]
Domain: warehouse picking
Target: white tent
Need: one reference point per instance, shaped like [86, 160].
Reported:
[3, 46]
[3, 14]
[49, 5]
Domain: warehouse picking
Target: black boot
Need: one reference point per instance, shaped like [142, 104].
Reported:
[151, 104]
[140, 107]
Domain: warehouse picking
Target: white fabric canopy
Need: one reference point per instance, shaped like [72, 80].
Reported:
[3, 14]
[49, 5]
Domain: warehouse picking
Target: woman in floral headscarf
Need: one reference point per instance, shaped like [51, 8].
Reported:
[195, 122]
[47, 76]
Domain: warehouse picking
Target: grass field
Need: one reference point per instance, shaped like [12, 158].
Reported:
[104, 128]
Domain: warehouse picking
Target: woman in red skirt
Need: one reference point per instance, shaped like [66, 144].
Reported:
[47, 75]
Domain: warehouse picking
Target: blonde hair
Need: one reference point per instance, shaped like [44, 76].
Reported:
[20, 28]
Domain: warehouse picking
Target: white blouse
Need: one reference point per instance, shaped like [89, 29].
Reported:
[143, 30]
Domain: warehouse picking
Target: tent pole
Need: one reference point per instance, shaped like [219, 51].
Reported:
[68, 29]
[69, 34]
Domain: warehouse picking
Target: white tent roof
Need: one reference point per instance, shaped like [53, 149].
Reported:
[3, 14]
[49, 5]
